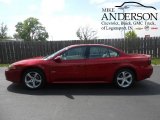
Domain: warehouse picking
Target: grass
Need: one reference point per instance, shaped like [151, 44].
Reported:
[156, 61]
[4, 65]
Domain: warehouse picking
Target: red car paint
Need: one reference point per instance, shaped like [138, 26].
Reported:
[96, 70]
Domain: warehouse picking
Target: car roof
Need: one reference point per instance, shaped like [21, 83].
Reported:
[102, 45]
[76, 45]
[81, 45]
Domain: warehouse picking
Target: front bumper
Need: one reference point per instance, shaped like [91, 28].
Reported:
[13, 75]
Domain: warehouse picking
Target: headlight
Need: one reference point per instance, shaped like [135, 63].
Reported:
[11, 67]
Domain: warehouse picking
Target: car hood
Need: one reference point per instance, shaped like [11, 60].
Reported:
[29, 61]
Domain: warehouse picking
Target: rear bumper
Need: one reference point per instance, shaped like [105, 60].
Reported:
[13, 75]
[145, 72]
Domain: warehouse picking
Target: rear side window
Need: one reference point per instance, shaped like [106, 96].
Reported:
[113, 53]
[102, 52]
[98, 52]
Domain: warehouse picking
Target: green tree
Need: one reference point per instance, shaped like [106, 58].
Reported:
[131, 35]
[31, 30]
[3, 31]
[86, 33]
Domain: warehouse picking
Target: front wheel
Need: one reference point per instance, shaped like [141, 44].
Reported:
[33, 79]
[124, 78]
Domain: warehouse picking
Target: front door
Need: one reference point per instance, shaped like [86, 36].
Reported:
[71, 68]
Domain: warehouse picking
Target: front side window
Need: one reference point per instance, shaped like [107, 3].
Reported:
[74, 54]
[102, 52]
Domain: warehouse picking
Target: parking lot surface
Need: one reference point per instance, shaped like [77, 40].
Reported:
[81, 102]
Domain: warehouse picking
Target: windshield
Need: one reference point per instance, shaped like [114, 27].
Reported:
[54, 54]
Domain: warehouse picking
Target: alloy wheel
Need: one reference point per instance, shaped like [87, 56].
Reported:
[33, 80]
[124, 79]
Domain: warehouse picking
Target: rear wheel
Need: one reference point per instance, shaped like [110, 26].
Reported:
[33, 79]
[124, 78]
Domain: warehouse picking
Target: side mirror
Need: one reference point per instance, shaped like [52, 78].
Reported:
[58, 59]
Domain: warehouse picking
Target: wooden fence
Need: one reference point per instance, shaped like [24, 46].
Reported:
[14, 51]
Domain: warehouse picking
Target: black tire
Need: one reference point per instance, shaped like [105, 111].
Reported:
[33, 79]
[124, 78]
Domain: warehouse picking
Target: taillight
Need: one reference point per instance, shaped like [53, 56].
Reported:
[149, 60]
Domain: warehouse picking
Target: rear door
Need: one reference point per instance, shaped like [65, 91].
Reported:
[100, 63]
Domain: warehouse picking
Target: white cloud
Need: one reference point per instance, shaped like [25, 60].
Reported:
[62, 27]
[105, 3]
[97, 1]
[149, 1]
[33, 8]
[6, 1]
[48, 7]
[65, 27]
[110, 4]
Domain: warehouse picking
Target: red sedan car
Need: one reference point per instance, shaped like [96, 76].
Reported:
[83, 63]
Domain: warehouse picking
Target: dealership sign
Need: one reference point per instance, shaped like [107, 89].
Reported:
[112, 20]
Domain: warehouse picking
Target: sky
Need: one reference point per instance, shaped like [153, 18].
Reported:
[62, 18]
